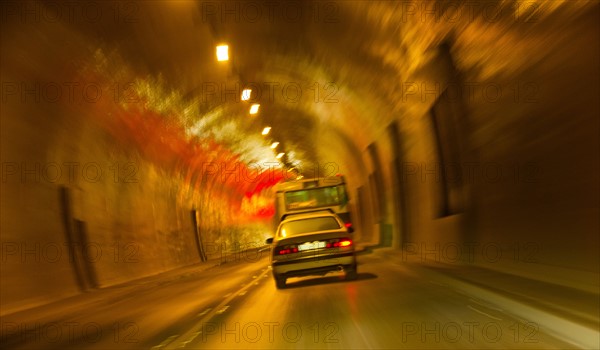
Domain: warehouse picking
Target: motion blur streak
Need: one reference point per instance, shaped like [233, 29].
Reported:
[137, 189]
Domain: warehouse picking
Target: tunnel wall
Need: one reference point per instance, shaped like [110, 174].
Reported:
[126, 217]
[518, 149]
[80, 207]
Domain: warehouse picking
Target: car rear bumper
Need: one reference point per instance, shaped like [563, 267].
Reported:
[313, 266]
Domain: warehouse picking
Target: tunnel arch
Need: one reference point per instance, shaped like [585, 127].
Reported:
[381, 57]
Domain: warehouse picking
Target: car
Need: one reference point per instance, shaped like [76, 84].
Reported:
[312, 244]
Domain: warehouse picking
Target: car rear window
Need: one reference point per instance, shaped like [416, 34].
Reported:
[298, 227]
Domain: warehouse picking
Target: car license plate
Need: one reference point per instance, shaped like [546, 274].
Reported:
[311, 245]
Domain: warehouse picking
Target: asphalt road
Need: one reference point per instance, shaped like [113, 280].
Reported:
[236, 305]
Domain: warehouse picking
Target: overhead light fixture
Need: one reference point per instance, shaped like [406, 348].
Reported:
[222, 52]
[279, 155]
[266, 130]
[246, 94]
[274, 145]
[254, 108]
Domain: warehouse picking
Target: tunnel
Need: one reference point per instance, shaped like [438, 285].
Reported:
[142, 144]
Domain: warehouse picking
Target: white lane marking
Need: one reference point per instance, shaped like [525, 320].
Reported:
[223, 309]
[223, 306]
[483, 313]
[226, 295]
[204, 312]
[488, 306]
[184, 344]
[242, 293]
[165, 342]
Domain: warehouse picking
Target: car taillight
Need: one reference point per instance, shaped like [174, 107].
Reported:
[344, 243]
[288, 249]
[348, 224]
[337, 243]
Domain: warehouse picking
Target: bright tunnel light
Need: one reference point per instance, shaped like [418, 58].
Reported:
[254, 108]
[266, 130]
[279, 155]
[274, 145]
[223, 52]
[246, 94]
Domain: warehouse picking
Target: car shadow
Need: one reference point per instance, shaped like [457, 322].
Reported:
[313, 281]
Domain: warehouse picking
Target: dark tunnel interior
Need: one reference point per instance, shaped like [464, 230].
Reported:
[139, 168]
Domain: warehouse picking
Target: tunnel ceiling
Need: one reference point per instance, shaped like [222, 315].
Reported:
[355, 53]
[170, 51]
